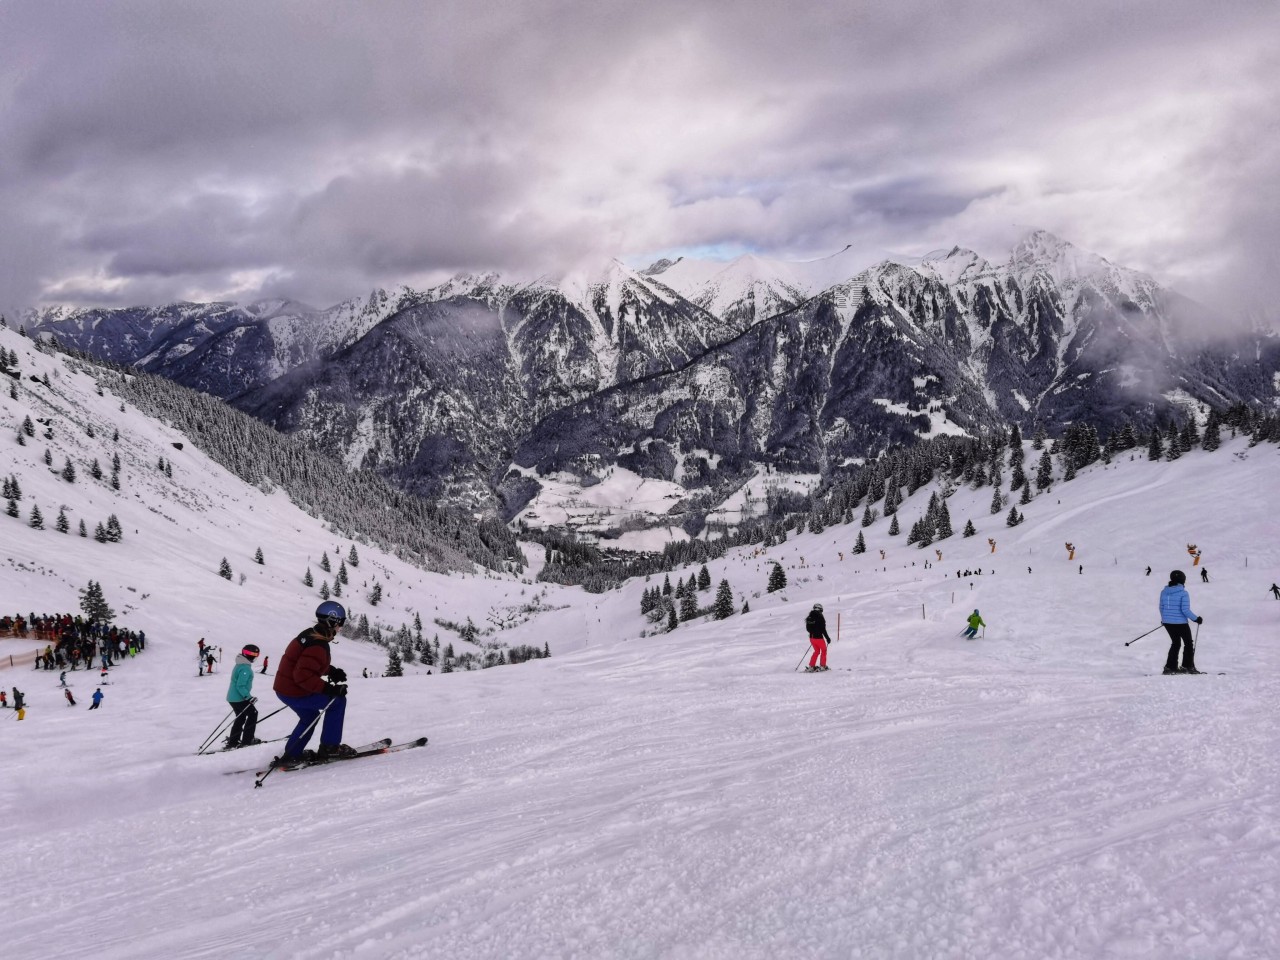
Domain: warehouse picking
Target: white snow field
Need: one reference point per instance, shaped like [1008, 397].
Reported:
[1034, 793]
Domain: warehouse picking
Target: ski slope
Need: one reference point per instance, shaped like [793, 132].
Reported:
[1033, 793]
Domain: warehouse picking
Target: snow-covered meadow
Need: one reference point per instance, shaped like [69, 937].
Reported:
[1034, 793]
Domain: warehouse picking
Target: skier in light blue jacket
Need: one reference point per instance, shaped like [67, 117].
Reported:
[1176, 616]
[240, 696]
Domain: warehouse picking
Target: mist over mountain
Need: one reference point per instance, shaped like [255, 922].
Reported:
[697, 372]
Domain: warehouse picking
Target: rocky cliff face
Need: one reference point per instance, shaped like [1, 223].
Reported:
[696, 372]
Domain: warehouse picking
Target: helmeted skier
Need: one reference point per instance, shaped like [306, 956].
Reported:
[240, 696]
[816, 624]
[975, 621]
[1175, 614]
[307, 683]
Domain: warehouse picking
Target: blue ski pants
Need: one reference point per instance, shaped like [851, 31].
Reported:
[308, 708]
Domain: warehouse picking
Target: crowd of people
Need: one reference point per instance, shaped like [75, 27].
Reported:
[73, 643]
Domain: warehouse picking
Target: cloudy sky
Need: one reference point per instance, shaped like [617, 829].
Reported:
[152, 150]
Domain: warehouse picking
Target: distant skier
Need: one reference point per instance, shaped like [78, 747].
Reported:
[97, 699]
[1275, 591]
[1204, 574]
[1175, 614]
[209, 660]
[308, 684]
[240, 696]
[975, 621]
[1148, 571]
[62, 678]
[265, 661]
[816, 624]
[71, 700]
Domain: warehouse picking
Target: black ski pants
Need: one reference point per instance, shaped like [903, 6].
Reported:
[246, 723]
[1180, 636]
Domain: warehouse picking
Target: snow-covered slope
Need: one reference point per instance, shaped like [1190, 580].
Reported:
[1032, 793]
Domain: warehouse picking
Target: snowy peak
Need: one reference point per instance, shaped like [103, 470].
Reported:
[955, 266]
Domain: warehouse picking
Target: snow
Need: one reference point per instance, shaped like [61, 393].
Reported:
[618, 497]
[1032, 793]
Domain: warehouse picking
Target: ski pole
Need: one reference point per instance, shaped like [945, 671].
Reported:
[306, 733]
[271, 714]
[213, 736]
[1147, 634]
[802, 656]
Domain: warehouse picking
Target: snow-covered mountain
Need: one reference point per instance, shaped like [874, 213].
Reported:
[1039, 791]
[701, 372]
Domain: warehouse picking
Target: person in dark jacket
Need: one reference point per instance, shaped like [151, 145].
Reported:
[816, 624]
[97, 699]
[1176, 616]
[308, 684]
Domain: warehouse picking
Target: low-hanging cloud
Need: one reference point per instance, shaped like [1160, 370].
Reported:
[153, 151]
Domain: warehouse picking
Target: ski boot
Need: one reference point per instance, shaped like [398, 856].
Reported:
[334, 751]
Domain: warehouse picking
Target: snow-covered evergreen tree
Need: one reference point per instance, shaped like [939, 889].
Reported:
[777, 579]
[723, 608]
[224, 569]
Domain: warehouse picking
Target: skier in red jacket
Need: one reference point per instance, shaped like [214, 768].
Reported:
[308, 684]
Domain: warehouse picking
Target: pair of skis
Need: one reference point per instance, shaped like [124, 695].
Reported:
[373, 749]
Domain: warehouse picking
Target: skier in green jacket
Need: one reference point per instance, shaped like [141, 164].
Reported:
[240, 696]
[975, 622]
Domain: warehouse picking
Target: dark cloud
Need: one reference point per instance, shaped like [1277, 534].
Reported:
[156, 150]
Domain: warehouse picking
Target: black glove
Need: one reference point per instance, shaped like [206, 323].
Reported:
[337, 675]
[1199, 619]
[335, 690]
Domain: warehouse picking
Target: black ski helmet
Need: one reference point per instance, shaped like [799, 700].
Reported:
[1177, 577]
[250, 651]
[332, 613]
[817, 608]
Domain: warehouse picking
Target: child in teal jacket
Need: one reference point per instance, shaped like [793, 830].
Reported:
[240, 696]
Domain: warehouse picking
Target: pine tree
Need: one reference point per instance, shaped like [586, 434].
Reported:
[375, 595]
[48, 457]
[224, 569]
[723, 608]
[28, 427]
[672, 622]
[342, 572]
[704, 578]
[353, 558]
[1013, 519]
[84, 532]
[258, 558]
[95, 469]
[666, 586]
[746, 606]
[1155, 448]
[37, 518]
[1044, 471]
[860, 545]
[12, 508]
[100, 533]
[62, 525]
[943, 525]
[307, 579]
[688, 606]
[324, 589]
[1212, 437]
[1026, 494]
[894, 530]
[69, 471]
[94, 604]
[394, 667]
[777, 579]
[337, 588]
[969, 531]
[113, 531]
[867, 518]
[1019, 478]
